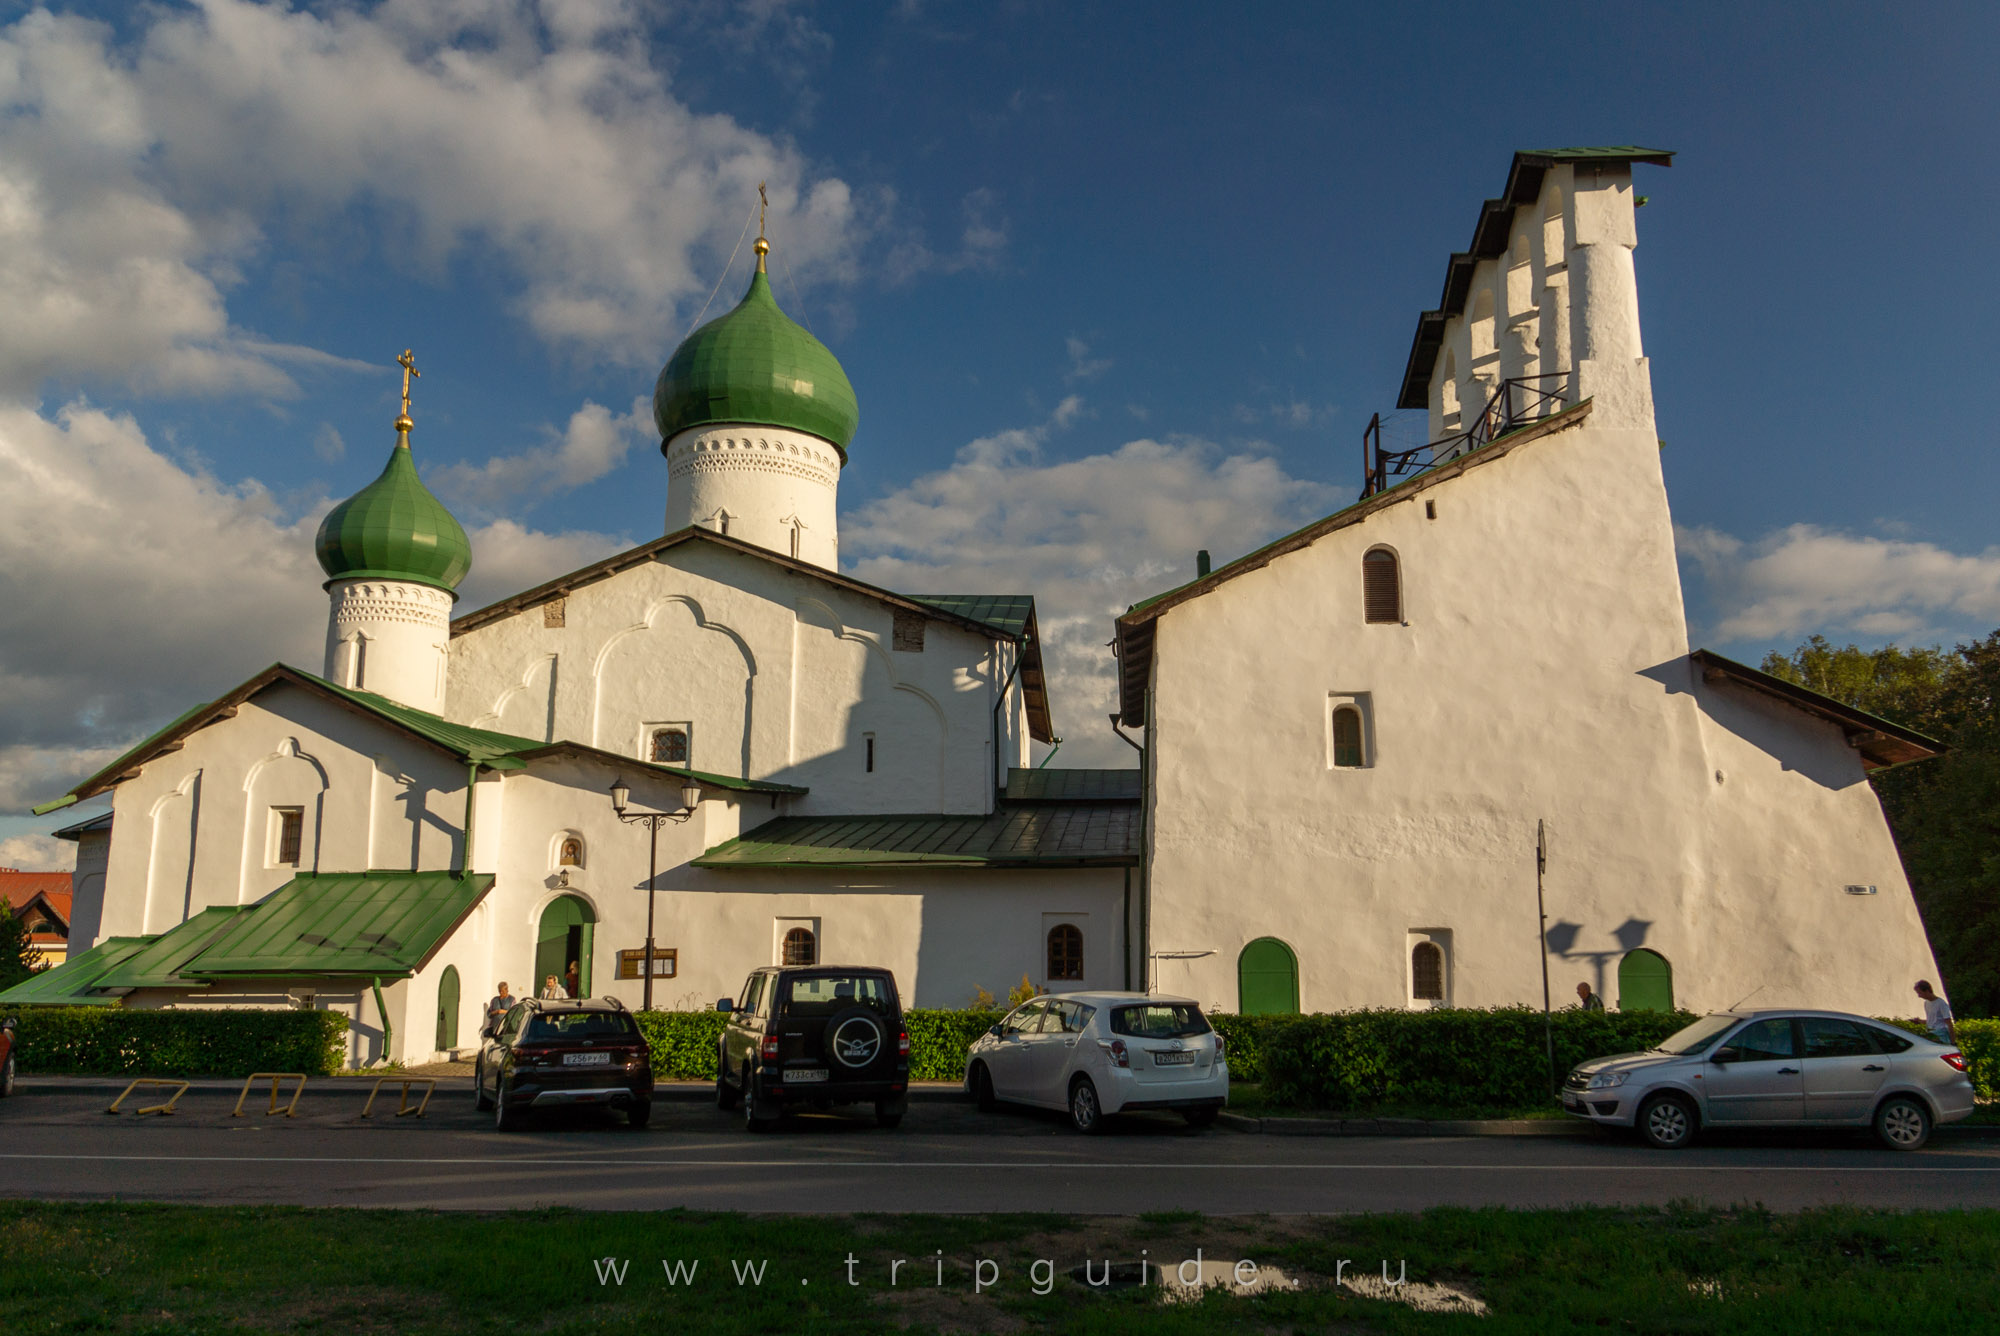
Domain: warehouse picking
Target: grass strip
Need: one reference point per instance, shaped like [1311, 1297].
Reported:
[143, 1269]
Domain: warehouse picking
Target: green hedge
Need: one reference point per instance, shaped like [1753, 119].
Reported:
[1243, 1042]
[178, 1042]
[939, 1040]
[1451, 1057]
[683, 1043]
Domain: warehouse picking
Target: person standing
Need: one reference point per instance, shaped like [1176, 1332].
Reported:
[499, 1006]
[552, 988]
[1587, 999]
[572, 980]
[1937, 1014]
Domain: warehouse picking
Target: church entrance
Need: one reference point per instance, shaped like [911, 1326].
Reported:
[1267, 979]
[447, 1018]
[563, 939]
[1645, 982]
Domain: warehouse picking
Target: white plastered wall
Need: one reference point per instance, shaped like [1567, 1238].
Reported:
[765, 485]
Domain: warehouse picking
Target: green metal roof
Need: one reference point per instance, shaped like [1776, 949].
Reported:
[756, 365]
[158, 962]
[1012, 613]
[1084, 834]
[1072, 786]
[69, 984]
[483, 745]
[361, 924]
[394, 529]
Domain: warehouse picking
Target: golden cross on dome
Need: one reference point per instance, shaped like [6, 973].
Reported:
[408, 362]
[763, 203]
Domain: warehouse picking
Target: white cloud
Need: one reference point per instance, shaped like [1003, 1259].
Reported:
[136, 180]
[1805, 579]
[594, 443]
[38, 853]
[328, 444]
[1082, 366]
[137, 587]
[1088, 537]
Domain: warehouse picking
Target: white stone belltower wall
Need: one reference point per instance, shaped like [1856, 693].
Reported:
[766, 485]
[389, 637]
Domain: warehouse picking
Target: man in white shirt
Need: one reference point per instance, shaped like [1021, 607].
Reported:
[1937, 1014]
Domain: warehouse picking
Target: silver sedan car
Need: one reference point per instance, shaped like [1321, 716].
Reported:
[1777, 1069]
[1096, 1054]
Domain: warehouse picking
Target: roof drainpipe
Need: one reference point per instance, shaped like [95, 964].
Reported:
[1145, 872]
[465, 854]
[388, 1030]
[999, 783]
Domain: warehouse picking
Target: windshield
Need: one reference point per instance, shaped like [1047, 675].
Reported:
[1695, 1037]
[1159, 1020]
[824, 994]
[555, 1025]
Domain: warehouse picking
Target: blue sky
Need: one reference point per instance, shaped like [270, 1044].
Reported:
[1111, 284]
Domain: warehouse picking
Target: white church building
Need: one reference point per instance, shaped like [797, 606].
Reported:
[1351, 736]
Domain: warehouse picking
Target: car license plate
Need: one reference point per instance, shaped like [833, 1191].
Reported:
[794, 1075]
[1182, 1059]
[586, 1059]
[1572, 1103]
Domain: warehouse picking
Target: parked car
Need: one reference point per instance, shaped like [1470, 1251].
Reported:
[1098, 1054]
[6, 1057]
[814, 1037]
[1777, 1069]
[548, 1053]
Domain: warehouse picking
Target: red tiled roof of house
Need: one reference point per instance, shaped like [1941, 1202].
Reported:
[21, 889]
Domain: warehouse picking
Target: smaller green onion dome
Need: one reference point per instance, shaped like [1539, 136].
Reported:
[394, 529]
[755, 365]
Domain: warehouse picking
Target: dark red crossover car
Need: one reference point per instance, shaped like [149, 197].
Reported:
[6, 1057]
[576, 1052]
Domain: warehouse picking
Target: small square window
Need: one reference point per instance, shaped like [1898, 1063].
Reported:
[669, 744]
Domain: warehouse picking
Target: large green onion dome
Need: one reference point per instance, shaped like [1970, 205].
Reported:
[394, 529]
[755, 365]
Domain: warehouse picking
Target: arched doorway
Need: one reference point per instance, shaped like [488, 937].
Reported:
[1645, 982]
[447, 1029]
[563, 936]
[1267, 979]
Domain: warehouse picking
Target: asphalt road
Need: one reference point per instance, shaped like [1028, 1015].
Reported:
[57, 1143]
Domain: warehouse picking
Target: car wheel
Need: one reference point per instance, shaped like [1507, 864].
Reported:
[479, 1100]
[726, 1096]
[638, 1113]
[1200, 1117]
[504, 1118]
[754, 1119]
[1086, 1115]
[1903, 1123]
[7, 1077]
[1668, 1122]
[982, 1088]
[888, 1113]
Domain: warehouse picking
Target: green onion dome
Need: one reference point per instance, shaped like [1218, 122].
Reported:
[394, 529]
[755, 365]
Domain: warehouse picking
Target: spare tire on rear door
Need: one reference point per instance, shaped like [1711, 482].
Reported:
[856, 1039]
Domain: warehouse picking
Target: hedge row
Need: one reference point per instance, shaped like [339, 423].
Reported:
[179, 1042]
[684, 1042]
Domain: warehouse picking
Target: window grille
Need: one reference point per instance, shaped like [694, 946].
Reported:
[1065, 952]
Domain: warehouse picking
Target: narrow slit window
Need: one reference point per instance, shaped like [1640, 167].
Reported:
[1381, 587]
[800, 948]
[1427, 972]
[1065, 953]
[868, 744]
[1348, 752]
[291, 835]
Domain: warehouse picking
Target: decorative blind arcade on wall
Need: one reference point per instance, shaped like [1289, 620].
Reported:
[1381, 588]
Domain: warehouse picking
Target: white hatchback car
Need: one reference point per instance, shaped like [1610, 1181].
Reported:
[1096, 1054]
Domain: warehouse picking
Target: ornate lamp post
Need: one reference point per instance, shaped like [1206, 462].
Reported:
[690, 797]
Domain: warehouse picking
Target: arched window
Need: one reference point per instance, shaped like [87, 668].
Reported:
[572, 852]
[800, 948]
[1381, 587]
[1348, 752]
[1065, 952]
[670, 746]
[1427, 972]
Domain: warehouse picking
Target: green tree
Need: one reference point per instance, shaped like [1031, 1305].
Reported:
[18, 956]
[1945, 812]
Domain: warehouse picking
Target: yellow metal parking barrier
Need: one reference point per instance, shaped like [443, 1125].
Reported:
[291, 1110]
[403, 1109]
[168, 1107]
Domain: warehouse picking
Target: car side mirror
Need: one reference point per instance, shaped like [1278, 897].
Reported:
[1728, 1053]
[725, 1005]
[997, 1030]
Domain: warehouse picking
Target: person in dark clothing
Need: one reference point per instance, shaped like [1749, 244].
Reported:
[571, 979]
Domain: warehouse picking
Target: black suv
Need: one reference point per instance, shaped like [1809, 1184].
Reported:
[814, 1037]
[562, 1054]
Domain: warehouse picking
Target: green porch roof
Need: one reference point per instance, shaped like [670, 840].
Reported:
[1072, 786]
[158, 962]
[69, 984]
[355, 924]
[1012, 613]
[1078, 835]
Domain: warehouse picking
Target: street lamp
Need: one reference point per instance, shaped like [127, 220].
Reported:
[690, 798]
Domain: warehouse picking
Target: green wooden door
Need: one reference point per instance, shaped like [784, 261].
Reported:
[1645, 982]
[1267, 979]
[564, 935]
[447, 1031]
